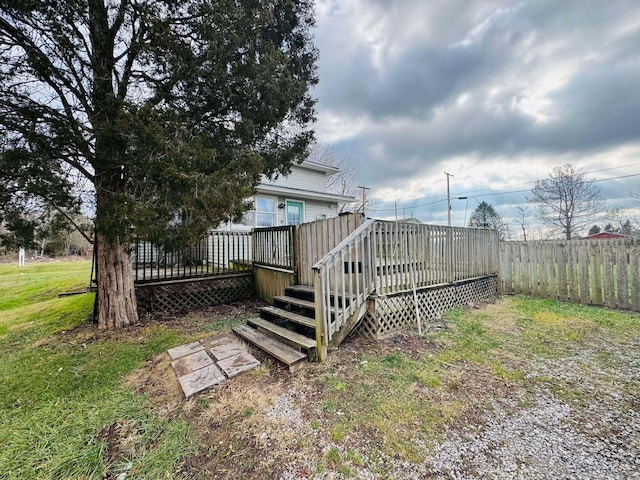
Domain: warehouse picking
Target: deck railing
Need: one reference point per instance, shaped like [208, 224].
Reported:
[389, 258]
[217, 253]
[409, 255]
[343, 281]
[275, 247]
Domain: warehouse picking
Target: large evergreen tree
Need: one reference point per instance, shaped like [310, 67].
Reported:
[159, 105]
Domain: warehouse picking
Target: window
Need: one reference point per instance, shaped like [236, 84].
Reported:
[264, 214]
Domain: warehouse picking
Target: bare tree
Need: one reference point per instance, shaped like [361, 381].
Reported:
[567, 200]
[345, 182]
[522, 220]
[620, 221]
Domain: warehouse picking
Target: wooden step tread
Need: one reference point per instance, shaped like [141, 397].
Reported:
[301, 288]
[291, 316]
[284, 353]
[311, 290]
[294, 337]
[296, 301]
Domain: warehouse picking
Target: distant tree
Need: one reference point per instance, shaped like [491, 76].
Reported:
[620, 221]
[522, 220]
[163, 106]
[594, 230]
[485, 216]
[567, 200]
[609, 228]
[626, 228]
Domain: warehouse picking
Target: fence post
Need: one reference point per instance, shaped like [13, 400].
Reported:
[450, 258]
[321, 344]
[293, 249]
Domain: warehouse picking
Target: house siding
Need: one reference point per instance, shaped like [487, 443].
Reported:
[302, 179]
[304, 182]
[312, 209]
[316, 211]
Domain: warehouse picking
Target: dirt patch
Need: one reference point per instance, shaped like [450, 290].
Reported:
[407, 407]
[159, 382]
[207, 319]
[122, 440]
[240, 438]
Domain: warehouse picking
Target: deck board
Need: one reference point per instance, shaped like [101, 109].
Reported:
[294, 337]
[282, 352]
[295, 301]
[291, 316]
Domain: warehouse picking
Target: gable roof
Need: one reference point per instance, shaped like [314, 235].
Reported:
[602, 235]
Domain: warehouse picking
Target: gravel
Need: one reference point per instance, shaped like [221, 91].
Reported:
[542, 442]
[588, 427]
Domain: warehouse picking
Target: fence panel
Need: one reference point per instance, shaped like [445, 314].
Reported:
[314, 240]
[591, 272]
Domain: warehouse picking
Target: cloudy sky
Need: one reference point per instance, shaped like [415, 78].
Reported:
[497, 93]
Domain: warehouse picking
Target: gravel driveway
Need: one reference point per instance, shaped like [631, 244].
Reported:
[589, 431]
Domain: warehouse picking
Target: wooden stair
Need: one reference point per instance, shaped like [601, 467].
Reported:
[285, 330]
[287, 355]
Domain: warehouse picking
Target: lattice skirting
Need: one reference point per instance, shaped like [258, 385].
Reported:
[184, 295]
[396, 312]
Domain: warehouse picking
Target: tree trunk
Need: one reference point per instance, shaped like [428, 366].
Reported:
[116, 297]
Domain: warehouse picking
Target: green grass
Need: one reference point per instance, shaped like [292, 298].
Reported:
[397, 398]
[63, 387]
[60, 389]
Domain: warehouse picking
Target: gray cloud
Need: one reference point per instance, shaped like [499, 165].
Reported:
[408, 89]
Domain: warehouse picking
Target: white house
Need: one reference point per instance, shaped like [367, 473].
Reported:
[299, 197]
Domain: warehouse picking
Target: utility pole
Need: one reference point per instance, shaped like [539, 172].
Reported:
[395, 204]
[364, 189]
[448, 200]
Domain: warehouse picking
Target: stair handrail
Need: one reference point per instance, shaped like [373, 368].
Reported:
[357, 249]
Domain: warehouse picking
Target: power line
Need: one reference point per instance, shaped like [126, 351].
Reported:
[534, 181]
[516, 191]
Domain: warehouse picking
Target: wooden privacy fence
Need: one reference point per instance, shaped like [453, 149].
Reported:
[591, 272]
[217, 253]
[316, 239]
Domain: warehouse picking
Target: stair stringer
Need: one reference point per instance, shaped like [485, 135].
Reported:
[351, 323]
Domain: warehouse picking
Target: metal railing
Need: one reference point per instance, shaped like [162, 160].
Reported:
[217, 253]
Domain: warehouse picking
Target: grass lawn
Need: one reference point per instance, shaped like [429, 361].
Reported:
[79, 403]
[61, 383]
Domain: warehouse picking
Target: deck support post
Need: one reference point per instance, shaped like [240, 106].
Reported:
[321, 338]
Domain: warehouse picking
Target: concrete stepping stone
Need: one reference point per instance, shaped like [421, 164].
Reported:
[198, 369]
[183, 350]
[212, 342]
[190, 363]
[200, 380]
[237, 364]
[227, 350]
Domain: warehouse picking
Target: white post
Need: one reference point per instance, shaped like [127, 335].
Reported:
[21, 257]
